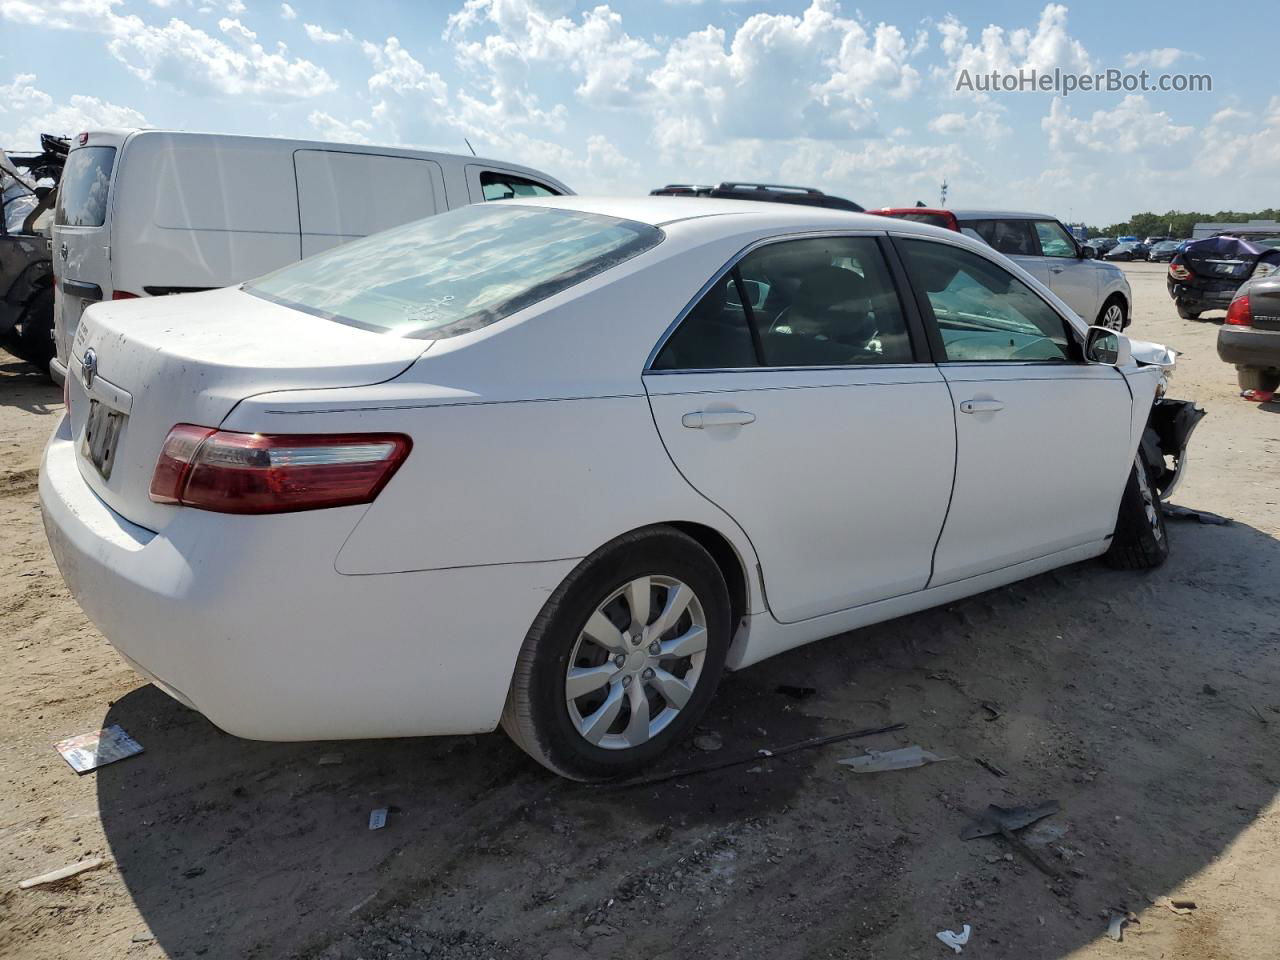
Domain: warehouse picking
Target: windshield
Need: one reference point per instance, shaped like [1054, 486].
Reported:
[457, 271]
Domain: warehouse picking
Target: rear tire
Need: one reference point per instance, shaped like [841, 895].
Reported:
[588, 629]
[1140, 541]
[1186, 313]
[34, 341]
[1251, 378]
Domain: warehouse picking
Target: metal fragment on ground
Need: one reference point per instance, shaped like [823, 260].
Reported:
[877, 761]
[89, 751]
[996, 819]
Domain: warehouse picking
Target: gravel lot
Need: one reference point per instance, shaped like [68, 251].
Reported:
[1146, 704]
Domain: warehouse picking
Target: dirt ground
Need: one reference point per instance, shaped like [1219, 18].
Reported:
[1146, 704]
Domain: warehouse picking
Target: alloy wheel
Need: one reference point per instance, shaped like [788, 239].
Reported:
[636, 663]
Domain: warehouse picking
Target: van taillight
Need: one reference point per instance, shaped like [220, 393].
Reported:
[123, 295]
[273, 473]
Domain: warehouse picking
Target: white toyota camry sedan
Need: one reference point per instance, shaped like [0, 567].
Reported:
[556, 464]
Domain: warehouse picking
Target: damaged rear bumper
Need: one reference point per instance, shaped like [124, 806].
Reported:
[1164, 442]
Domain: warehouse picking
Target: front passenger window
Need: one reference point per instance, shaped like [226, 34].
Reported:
[983, 312]
[1054, 241]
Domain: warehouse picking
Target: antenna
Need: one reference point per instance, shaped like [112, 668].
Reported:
[469, 146]
[942, 202]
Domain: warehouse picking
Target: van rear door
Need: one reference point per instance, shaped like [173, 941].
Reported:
[82, 234]
[345, 195]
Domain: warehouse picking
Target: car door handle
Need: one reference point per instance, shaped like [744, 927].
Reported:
[717, 418]
[1056, 269]
[981, 406]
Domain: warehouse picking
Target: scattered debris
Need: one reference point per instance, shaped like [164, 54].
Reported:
[1200, 516]
[53, 876]
[1115, 929]
[378, 818]
[89, 751]
[993, 709]
[143, 936]
[955, 941]
[192, 872]
[998, 819]
[796, 693]
[709, 742]
[998, 771]
[999, 857]
[1180, 907]
[752, 757]
[1258, 396]
[904, 758]
[1209, 691]
[1005, 821]
[329, 759]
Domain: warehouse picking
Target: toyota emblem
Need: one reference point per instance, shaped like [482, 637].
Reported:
[89, 367]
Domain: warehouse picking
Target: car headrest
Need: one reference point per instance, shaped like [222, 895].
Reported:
[826, 287]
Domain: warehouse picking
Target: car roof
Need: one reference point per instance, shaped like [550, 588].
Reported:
[1000, 215]
[664, 211]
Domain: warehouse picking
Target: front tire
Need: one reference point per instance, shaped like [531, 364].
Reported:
[623, 659]
[1140, 541]
[1186, 313]
[34, 342]
[1113, 314]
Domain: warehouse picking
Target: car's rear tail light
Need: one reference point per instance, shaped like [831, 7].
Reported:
[1239, 313]
[273, 473]
[1179, 272]
[123, 295]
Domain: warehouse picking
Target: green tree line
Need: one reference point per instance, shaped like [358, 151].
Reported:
[1175, 223]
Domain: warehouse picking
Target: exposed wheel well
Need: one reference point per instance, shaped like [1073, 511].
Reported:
[726, 559]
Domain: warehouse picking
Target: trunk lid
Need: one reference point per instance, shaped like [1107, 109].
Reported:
[1264, 303]
[190, 359]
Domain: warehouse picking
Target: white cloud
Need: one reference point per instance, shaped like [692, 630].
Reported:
[985, 124]
[1132, 127]
[287, 12]
[331, 128]
[1161, 58]
[28, 112]
[1045, 49]
[319, 34]
[182, 55]
[779, 76]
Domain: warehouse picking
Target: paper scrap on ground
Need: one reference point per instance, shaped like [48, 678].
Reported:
[53, 876]
[89, 751]
[955, 941]
[877, 761]
[378, 818]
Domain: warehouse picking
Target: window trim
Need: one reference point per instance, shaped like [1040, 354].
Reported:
[934, 332]
[917, 331]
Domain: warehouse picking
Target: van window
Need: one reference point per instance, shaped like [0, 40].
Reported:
[86, 180]
[504, 186]
[457, 271]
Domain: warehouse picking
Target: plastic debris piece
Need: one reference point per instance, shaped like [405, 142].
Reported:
[1178, 906]
[955, 941]
[991, 767]
[992, 709]
[378, 818]
[1200, 516]
[876, 761]
[1001, 819]
[89, 751]
[1115, 929]
[710, 742]
[329, 760]
[53, 876]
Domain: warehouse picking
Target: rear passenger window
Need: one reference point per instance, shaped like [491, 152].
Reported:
[818, 302]
[984, 312]
[86, 180]
[504, 186]
[1013, 238]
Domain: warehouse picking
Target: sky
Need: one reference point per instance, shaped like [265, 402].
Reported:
[620, 97]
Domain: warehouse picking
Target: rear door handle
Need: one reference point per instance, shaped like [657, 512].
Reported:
[981, 406]
[717, 418]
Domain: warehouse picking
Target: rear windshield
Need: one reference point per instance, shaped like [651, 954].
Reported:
[458, 271]
[82, 193]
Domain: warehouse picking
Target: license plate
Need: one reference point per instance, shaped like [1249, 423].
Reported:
[101, 431]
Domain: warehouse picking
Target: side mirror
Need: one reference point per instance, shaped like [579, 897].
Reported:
[1088, 253]
[1104, 345]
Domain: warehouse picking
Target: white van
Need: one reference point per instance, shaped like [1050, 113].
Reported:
[154, 212]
